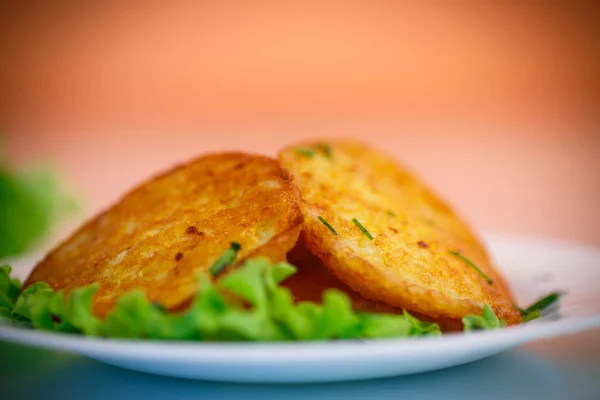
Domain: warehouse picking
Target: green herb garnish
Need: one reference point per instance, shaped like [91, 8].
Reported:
[255, 308]
[226, 259]
[391, 213]
[305, 152]
[472, 265]
[544, 302]
[249, 304]
[325, 149]
[487, 320]
[537, 309]
[362, 228]
[327, 225]
[319, 147]
[531, 316]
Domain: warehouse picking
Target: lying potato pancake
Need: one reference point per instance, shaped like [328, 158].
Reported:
[408, 263]
[163, 233]
[313, 279]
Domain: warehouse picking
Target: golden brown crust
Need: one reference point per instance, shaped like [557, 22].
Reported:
[408, 264]
[160, 235]
[313, 279]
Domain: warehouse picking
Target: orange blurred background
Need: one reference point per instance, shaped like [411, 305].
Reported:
[497, 106]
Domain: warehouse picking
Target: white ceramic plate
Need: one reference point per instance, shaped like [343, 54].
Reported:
[533, 268]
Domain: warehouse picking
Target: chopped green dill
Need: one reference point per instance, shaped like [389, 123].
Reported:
[472, 265]
[362, 228]
[324, 148]
[327, 225]
[305, 152]
[390, 213]
[226, 259]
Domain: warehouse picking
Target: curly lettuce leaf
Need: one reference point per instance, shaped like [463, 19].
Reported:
[384, 325]
[421, 328]
[487, 320]
[248, 304]
[9, 288]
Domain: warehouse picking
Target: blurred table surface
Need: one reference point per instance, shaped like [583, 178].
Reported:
[567, 367]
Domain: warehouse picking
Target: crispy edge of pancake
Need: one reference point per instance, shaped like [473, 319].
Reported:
[372, 281]
[312, 280]
[275, 249]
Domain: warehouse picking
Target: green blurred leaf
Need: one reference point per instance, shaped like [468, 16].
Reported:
[33, 201]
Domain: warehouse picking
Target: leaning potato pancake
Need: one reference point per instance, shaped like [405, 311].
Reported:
[176, 225]
[388, 236]
[313, 279]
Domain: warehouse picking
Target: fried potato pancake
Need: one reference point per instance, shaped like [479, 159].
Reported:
[361, 192]
[162, 234]
[313, 279]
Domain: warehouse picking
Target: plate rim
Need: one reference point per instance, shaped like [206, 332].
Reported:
[295, 351]
[286, 351]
